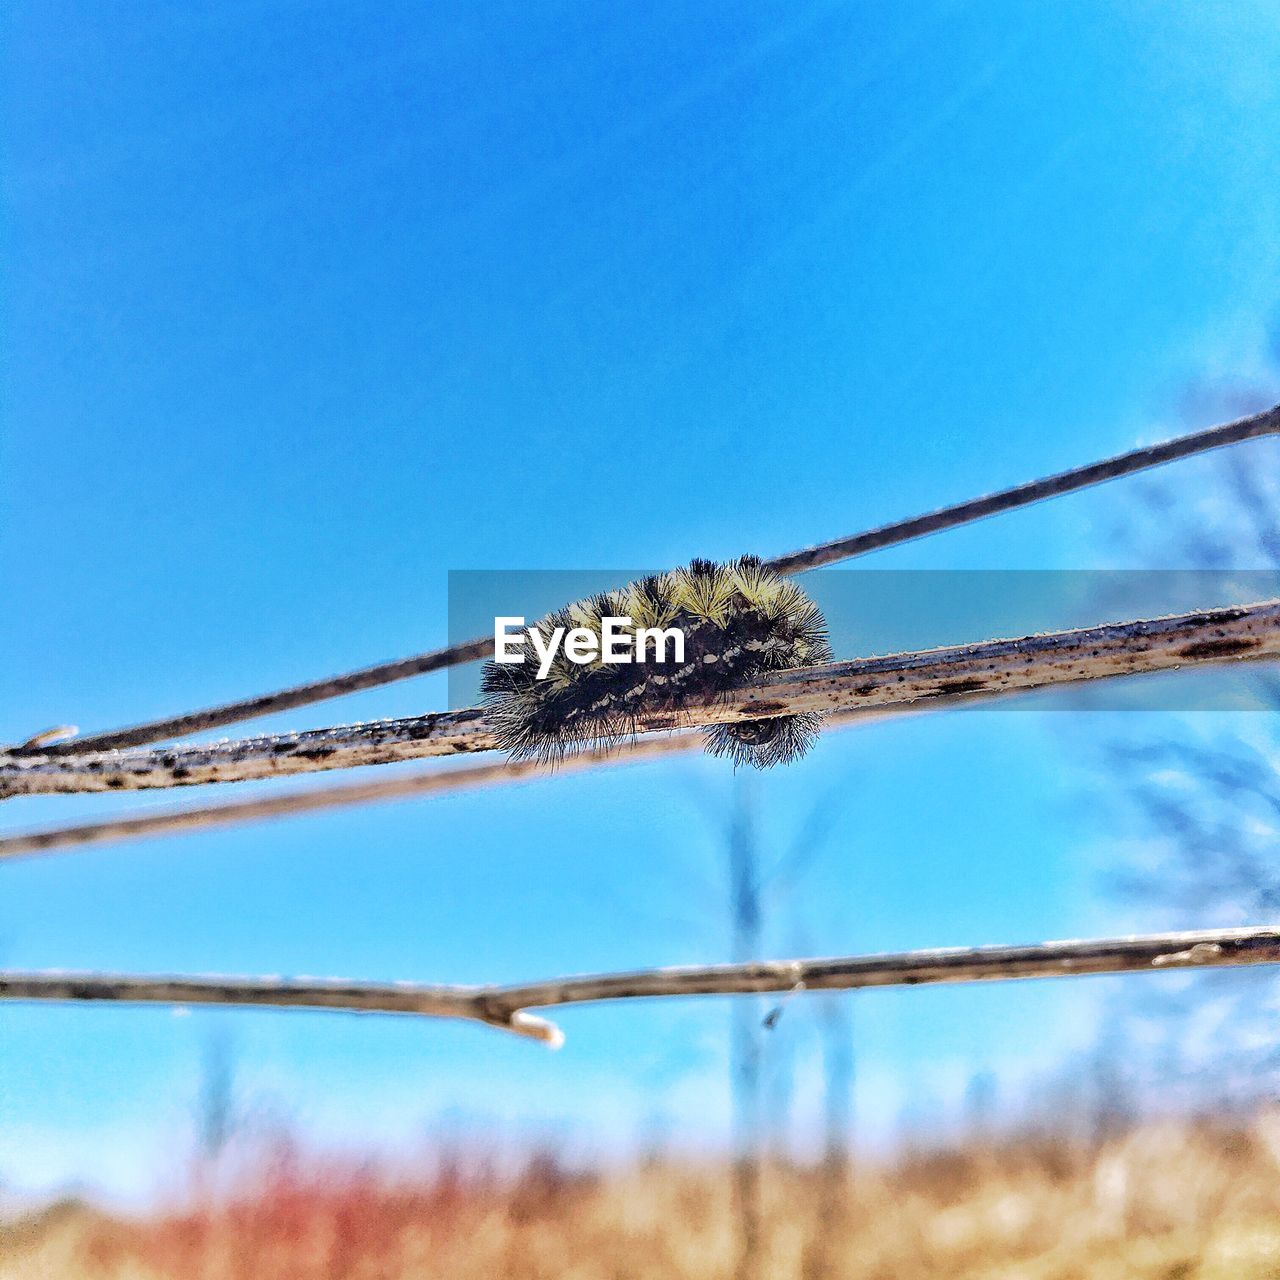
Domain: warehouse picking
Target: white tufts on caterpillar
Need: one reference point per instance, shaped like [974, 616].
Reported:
[739, 620]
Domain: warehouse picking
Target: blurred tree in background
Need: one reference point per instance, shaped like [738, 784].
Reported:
[1200, 825]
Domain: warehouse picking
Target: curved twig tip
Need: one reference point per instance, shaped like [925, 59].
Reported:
[47, 737]
[529, 1024]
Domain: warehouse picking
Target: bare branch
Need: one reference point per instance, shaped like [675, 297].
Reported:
[944, 676]
[300, 993]
[507, 1006]
[1256, 425]
[1249, 428]
[176, 820]
[182, 819]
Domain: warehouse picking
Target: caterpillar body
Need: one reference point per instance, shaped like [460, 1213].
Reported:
[739, 620]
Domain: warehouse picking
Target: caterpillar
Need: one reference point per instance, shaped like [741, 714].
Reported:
[739, 620]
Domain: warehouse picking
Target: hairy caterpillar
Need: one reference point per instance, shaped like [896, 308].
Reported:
[739, 620]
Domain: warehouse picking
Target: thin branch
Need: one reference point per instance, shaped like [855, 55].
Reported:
[507, 1006]
[1142, 459]
[1253, 427]
[942, 675]
[183, 819]
[176, 820]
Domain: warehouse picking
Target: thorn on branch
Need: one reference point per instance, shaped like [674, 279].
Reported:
[59, 733]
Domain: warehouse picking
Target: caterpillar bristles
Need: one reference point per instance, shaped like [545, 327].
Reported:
[739, 620]
[764, 743]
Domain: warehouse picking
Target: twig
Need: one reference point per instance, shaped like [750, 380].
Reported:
[1250, 428]
[507, 1006]
[181, 819]
[298, 993]
[1266, 423]
[942, 675]
[172, 821]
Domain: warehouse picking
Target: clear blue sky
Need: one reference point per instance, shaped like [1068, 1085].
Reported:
[307, 305]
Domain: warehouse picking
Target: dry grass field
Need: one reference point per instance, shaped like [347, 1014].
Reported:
[1166, 1201]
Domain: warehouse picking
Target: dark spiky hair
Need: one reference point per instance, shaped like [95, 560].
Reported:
[740, 620]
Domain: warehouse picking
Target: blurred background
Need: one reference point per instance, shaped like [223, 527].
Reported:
[309, 304]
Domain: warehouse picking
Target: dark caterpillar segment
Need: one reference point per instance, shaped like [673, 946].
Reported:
[764, 743]
[739, 620]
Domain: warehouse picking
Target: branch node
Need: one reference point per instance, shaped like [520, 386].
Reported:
[535, 1028]
[1201, 953]
[518, 1021]
[771, 1018]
